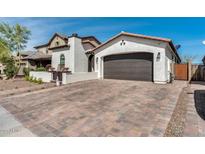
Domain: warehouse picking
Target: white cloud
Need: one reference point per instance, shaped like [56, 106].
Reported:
[203, 42]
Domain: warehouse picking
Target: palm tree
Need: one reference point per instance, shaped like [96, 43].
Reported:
[15, 37]
[4, 51]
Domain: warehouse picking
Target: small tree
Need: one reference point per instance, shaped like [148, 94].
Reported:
[10, 69]
[4, 51]
[15, 38]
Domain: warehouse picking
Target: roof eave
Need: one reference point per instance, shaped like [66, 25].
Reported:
[175, 50]
[140, 36]
[58, 47]
[40, 46]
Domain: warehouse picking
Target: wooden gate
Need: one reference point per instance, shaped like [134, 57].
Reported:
[181, 71]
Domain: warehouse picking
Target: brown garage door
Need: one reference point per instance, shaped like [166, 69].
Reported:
[133, 66]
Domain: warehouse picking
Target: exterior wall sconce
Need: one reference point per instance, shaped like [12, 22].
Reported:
[158, 56]
[97, 63]
[122, 42]
[97, 60]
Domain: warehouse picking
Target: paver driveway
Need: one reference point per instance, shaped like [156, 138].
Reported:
[97, 108]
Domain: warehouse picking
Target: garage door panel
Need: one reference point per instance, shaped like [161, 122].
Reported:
[136, 66]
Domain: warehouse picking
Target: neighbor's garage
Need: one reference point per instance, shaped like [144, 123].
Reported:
[132, 66]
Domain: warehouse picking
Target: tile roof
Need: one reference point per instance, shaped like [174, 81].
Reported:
[27, 53]
[38, 55]
[140, 36]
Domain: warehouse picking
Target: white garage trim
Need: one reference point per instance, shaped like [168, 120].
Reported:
[126, 44]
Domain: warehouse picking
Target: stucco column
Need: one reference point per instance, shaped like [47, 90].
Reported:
[189, 70]
[102, 68]
[159, 68]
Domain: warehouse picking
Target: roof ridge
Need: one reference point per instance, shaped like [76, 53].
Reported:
[142, 35]
[62, 35]
[135, 35]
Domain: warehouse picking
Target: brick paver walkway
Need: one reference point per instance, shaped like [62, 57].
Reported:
[195, 115]
[97, 108]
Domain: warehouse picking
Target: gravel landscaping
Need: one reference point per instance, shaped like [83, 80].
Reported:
[14, 84]
[19, 86]
[176, 125]
[188, 116]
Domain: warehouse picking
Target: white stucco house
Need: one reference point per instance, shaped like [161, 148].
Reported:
[126, 56]
[68, 58]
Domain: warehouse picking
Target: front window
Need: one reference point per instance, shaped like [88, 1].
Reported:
[57, 43]
[62, 59]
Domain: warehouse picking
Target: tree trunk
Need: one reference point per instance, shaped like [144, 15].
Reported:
[18, 65]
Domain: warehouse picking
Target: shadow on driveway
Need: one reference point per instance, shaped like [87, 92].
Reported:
[199, 99]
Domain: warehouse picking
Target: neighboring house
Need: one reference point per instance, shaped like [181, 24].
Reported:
[20, 59]
[125, 56]
[70, 52]
[136, 57]
[40, 58]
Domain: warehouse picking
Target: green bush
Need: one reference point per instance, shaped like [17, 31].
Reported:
[41, 69]
[30, 78]
[26, 71]
[35, 80]
[10, 68]
[39, 81]
[26, 78]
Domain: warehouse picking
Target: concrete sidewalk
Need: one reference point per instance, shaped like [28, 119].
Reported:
[10, 127]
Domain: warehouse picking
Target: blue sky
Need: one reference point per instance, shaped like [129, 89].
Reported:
[188, 32]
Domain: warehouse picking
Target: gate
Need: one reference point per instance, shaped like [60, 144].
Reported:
[57, 74]
[181, 71]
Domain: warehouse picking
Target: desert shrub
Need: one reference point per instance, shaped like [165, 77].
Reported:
[40, 69]
[35, 80]
[30, 78]
[26, 71]
[39, 81]
[26, 78]
[10, 68]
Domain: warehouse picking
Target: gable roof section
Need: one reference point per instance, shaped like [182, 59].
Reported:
[64, 37]
[38, 56]
[85, 39]
[91, 37]
[25, 53]
[93, 44]
[169, 41]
